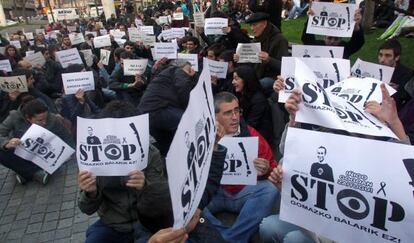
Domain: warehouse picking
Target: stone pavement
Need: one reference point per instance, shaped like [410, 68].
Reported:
[37, 213]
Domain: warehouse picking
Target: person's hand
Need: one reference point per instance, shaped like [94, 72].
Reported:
[276, 176]
[138, 82]
[169, 235]
[12, 143]
[226, 30]
[194, 220]
[310, 12]
[264, 56]
[261, 165]
[292, 105]
[87, 183]
[199, 30]
[80, 96]
[13, 95]
[357, 18]
[136, 179]
[189, 70]
[279, 84]
[219, 134]
[214, 79]
[236, 58]
[100, 65]
[373, 107]
[387, 111]
[163, 60]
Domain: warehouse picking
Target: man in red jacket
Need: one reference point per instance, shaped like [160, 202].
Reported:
[251, 202]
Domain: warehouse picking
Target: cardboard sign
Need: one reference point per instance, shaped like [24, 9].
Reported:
[5, 65]
[112, 146]
[16, 44]
[362, 69]
[218, 69]
[134, 66]
[102, 41]
[72, 82]
[332, 19]
[239, 166]
[69, 56]
[15, 83]
[36, 59]
[348, 189]
[214, 26]
[189, 158]
[248, 52]
[88, 56]
[105, 55]
[167, 49]
[43, 148]
[327, 72]
[148, 30]
[198, 19]
[191, 58]
[317, 51]
[76, 38]
[178, 16]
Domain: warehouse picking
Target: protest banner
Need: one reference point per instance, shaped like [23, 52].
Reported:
[104, 56]
[248, 52]
[214, 26]
[5, 65]
[198, 19]
[178, 16]
[80, 80]
[167, 49]
[102, 41]
[317, 51]
[362, 69]
[325, 109]
[87, 54]
[134, 66]
[327, 72]
[16, 44]
[43, 148]
[29, 35]
[332, 19]
[191, 58]
[218, 69]
[69, 56]
[14, 83]
[239, 165]
[94, 33]
[112, 146]
[189, 157]
[147, 30]
[76, 38]
[36, 58]
[356, 189]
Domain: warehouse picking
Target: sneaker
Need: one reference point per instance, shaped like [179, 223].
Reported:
[20, 179]
[41, 176]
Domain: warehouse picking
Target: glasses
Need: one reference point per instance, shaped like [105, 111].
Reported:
[235, 112]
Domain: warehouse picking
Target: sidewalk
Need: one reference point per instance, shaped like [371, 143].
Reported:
[37, 213]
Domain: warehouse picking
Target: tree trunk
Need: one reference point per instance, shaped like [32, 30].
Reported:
[368, 15]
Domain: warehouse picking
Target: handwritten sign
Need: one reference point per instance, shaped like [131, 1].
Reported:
[15, 83]
[214, 26]
[248, 52]
[134, 66]
[72, 82]
[69, 56]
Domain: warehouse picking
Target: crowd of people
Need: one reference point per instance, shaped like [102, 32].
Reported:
[138, 207]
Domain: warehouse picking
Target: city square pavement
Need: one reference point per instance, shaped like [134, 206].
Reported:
[38, 213]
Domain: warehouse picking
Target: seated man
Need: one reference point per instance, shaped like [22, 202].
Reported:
[253, 203]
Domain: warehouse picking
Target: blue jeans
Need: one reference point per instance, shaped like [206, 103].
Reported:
[272, 229]
[252, 203]
[99, 232]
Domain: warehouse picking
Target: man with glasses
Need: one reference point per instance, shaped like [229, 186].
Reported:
[251, 202]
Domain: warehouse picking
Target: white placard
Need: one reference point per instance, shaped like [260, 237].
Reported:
[165, 49]
[214, 26]
[76, 38]
[317, 51]
[16, 44]
[362, 69]
[148, 40]
[178, 16]
[117, 34]
[148, 30]
[69, 56]
[10, 84]
[164, 20]
[218, 69]
[29, 35]
[92, 33]
[327, 71]
[248, 52]
[102, 41]
[71, 28]
[88, 56]
[80, 80]
[36, 59]
[239, 165]
[178, 32]
[199, 19]
[120, 42]
[103, 32]
[332, 19]
[43, 148]
[189, 158]
[191, 58]
[166, 34]
[112, 146]
[104, 57]
[2, 50]
[134, 66]
[5, 65]
[348, 189]
[133, 34]
[28, 53]
[39, 31]
[325, 109]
